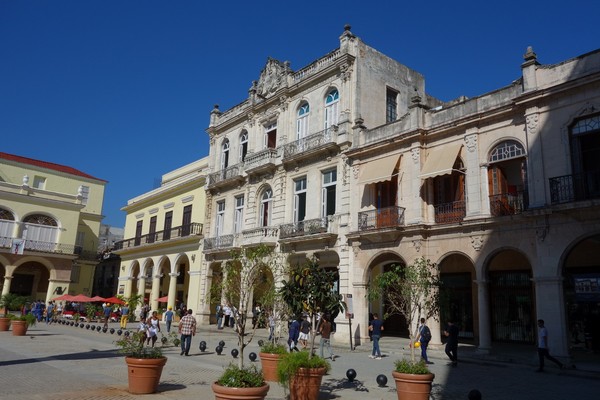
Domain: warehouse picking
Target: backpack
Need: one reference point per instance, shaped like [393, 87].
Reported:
[425, 334]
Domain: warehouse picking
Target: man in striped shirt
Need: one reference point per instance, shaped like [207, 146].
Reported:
[187, 329]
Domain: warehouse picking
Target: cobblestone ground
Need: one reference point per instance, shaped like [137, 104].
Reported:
[61, 362]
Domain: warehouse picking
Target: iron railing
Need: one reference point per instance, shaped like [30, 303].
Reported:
[307, 143]
[46, 247]
[193, 229]
[225, 174]
[386, 217]
[508, 204]
[303, 228]
[576, 187]
[448, 213]
[219, 242]
[260, 159]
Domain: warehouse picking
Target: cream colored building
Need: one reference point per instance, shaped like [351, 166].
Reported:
[50, 218]
[160, 255]
[350, 159]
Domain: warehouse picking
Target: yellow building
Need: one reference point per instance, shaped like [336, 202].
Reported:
[50, 218]
[160, 255]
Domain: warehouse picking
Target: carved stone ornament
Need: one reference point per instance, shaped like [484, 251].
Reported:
[477, 242]
[471, 142]
[415, 154]
[417, 245]
[532, 123]
[271, 78]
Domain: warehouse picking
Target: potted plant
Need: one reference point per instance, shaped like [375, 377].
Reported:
[9, 302]
[302, 374]
[411, 291]
[144, 363]
[241, 383]
[21, 323]
[270, 354]
[308, 290]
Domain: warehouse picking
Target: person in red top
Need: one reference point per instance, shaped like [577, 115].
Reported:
[187, 329]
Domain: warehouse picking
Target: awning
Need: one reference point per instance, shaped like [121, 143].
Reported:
[379, 170]
[440, 160]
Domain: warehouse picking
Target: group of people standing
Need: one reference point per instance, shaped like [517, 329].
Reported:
[301, 328]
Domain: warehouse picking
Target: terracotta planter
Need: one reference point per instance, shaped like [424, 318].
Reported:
[231, 393]
[144, 374]
[269, 362]
[4, 324]
[19, 328]
[306, 384]
[413, 387]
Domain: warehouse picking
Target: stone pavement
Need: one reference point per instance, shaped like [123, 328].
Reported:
[63, 362]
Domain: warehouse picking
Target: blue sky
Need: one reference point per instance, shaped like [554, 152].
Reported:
[122, 90]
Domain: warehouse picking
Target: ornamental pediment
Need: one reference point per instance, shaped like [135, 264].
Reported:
[272, 77]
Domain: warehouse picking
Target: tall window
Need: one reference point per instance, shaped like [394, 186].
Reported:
[266, 203]
[85, 194]
[332, 103]
[225, 154]
[239, 214]
[152, 230]
[299, 199]
[40, 230]
[328, 193]
[391, 104]
[271, 136]
[186, 222]
[138, 232]
[7, 223]
[302, 121]
[168, 225]
[220, 218]
[243, 145]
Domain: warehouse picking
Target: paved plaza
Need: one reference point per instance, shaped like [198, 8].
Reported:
[63, 362]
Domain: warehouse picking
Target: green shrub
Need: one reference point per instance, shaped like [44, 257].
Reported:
[290, 363]
[245, 377]
[405, 366]
[133, 346]
[273, 348]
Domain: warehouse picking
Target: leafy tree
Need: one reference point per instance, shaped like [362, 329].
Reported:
[242, 274]
[409, 290]
[310, 289]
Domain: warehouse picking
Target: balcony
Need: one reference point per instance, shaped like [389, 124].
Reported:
[193, 229]
[508, 204]
[260, 162]
[304, 228]
[42, 247]
[576, 187]
[226, 177]
[219, 243]
[450, 213]
[311, 146]
[263, 235]
[309, 234]
[382, 218]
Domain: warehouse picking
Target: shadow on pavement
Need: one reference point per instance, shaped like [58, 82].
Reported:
[88, 355]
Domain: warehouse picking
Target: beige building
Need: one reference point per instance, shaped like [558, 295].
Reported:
[160, 255]
[350, 159]
[50, 218]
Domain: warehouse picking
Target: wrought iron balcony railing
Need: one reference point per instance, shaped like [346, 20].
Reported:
[44, 247]
[193, 229]
[508, 204]
[226, 174]
[449, 213]
[576, 187]
[308, 143]
[303, 228]
[219, 242]
[386, 217]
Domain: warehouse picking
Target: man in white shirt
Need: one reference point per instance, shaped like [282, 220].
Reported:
[543, 351]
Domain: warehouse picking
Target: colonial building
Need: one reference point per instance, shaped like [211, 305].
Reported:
[50, 218]
[160, 255]
[350, 160]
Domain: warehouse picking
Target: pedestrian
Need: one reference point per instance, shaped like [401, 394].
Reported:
[106, 311]
[227, 313]
[124, 316]
[220, 316]
[376, 327]
[294, 334]
[187, 329]
[304, 335]
[49, 313]
[451, 333]
[424, 336]
[255, 315]
[169, 318]
[153, 328]
[271, 326]
[142, 329]
[474, 395]
[325, 331]
[543, 350]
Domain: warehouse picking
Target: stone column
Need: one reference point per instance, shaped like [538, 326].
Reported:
[485, 335]
[172, 289]
[155, 292]
[472, 176]
[6, 286]
[141, 291]
[550, 307]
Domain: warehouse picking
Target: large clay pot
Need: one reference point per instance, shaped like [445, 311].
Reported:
[144, 374]
[269, 365]
[412, 386]
[19, 328]
[231, 393]
[4, 324]
[306, 384]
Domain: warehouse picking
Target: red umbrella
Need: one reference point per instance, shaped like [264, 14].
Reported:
[114, 300]
[163, 299]
[81, 298]
[98, 298]
[65, 297]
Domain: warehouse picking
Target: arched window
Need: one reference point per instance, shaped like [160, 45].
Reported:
[7, 224]
[225, 154]
[332, 102]
[243, 145]
[40, 231]
[302, 121]
[266, 207]
[506, 150]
